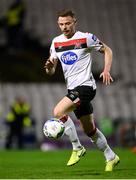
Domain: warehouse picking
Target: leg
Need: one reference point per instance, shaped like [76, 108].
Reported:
[19, 136]
[96, 136]
[78, 149]
[60, 111]
[70, 131]
[63, 107]
[8, 144]
[99, 140]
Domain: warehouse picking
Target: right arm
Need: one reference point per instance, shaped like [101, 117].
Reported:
[50, 65]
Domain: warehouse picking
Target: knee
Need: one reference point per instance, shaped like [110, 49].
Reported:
[57, 113]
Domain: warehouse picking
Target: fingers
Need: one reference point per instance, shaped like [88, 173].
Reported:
[49, 63]
[107, 79]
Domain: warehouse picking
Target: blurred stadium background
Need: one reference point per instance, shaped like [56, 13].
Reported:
[22, 73]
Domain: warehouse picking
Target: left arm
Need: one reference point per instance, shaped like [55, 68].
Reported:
[105, 75]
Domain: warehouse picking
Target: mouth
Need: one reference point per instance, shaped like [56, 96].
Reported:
[66, 32]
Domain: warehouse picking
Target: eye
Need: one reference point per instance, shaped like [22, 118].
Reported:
[68, 23]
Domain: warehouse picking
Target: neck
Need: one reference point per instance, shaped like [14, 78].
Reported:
[70, 35]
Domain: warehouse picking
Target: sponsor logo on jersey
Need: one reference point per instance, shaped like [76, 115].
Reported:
[69, 58]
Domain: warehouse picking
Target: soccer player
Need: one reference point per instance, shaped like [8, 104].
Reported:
[73, 49]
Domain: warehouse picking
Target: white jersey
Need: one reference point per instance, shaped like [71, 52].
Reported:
[75, 57]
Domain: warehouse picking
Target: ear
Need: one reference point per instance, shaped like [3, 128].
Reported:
[75, 20]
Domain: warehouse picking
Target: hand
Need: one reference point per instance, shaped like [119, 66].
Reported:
[49, 64]
[107, 79]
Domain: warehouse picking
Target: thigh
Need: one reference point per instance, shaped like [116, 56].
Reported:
[63, 107]
[83, 109]
[86, 95]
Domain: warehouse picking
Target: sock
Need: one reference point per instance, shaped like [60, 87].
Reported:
[70, 131]
[101, 143]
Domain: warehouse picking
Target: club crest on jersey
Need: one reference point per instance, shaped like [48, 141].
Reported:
[69, 58]
[94, 37]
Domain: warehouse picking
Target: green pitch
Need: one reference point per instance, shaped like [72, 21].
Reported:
[52, 165]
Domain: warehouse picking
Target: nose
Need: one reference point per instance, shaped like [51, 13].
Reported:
[64, 27]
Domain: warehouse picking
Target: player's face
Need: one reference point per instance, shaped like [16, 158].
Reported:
[67, 25]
